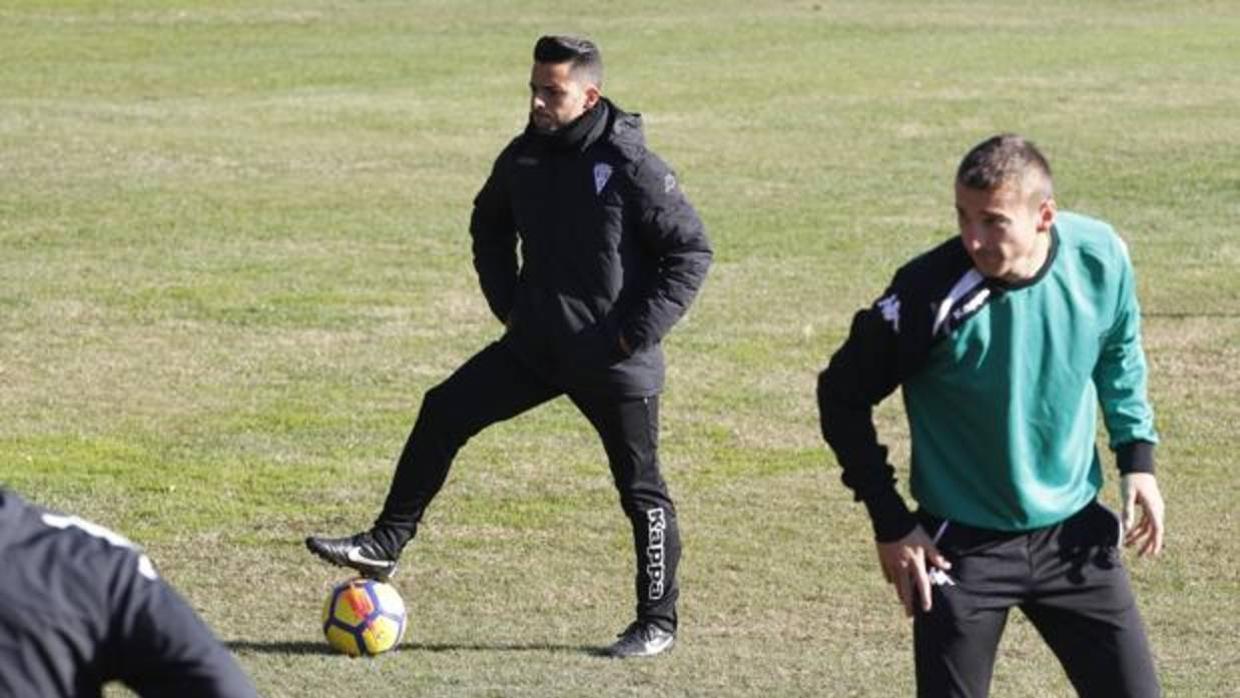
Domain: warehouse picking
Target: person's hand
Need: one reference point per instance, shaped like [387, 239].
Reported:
[1141, 489]
[906, 563]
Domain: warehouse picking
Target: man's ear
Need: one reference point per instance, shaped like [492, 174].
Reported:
[1046, 214]
[593, 95]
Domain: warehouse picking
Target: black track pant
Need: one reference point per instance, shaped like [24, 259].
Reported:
[1067, 579]
[494, 385]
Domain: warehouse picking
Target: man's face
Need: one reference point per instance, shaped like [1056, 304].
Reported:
[1005, 230]
[557, 98]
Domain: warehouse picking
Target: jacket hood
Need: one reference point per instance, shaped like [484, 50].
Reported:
[625, 130]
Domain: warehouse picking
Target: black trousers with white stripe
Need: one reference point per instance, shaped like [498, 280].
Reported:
[1067, 579]
[493, 386]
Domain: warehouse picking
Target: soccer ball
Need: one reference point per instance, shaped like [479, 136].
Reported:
[363, 617]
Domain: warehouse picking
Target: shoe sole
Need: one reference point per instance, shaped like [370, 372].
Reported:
[368, 572]
[640, 655]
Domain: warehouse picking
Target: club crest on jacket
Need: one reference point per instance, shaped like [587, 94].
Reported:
[602, 173]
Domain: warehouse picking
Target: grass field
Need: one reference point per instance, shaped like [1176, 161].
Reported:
[233, 254]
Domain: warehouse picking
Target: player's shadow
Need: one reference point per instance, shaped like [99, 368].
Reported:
[247, 646]
[500, 647]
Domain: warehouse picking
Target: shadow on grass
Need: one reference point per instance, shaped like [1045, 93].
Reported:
[247, 646]
[279, 647]
[501, 647]
[1190, 315]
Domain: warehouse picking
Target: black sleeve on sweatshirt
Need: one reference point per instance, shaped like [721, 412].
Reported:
[164, 647]
[887, 344]
[1135, 457]
[494, 236]
[81, 606]
[670, 229]
[860, 375]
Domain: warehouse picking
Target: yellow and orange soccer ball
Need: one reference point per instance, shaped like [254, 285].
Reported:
[364, 617]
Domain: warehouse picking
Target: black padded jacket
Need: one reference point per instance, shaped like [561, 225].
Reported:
[609, 248]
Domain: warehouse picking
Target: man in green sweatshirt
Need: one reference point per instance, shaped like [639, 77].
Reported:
[1004, 340]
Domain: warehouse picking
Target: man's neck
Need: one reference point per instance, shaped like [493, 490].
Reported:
[573, 134]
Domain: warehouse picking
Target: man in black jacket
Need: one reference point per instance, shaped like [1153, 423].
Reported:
[81, 606]
[611, 255]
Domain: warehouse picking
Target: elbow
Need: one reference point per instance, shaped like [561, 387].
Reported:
[841, 410]
[828, 406]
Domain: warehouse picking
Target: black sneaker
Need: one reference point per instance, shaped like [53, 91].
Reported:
[641, 640]
[360, 552]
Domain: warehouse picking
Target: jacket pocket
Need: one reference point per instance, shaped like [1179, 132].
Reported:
[598, 345]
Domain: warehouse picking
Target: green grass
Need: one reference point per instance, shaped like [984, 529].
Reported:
[233, 256]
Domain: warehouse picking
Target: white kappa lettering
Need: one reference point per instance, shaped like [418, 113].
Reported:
[655, 553]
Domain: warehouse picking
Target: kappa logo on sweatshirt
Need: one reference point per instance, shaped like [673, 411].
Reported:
[890, 308]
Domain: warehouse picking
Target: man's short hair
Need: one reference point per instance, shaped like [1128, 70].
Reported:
[1004, 160]
[583, 54]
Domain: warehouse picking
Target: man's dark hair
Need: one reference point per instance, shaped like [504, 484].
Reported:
[1006, 159]
[583, 54]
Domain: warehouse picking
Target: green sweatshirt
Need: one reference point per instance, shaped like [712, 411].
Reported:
[1000, 384]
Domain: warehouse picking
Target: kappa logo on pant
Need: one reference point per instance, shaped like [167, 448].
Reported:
[655, 567]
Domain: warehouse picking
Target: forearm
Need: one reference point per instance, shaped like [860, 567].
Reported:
[498, 278]
[495, 260]
[849, 430]
[494, 236]
[679, 277]
[672, 239]
[1121, 378]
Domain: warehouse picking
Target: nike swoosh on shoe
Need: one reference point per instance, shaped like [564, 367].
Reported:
[355, 555]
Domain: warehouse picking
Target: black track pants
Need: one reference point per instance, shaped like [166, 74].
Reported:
[493, 386]
[1067, 579]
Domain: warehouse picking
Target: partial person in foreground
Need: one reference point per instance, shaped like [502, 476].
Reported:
[611, 256]
[80, 607]
[1004, 340]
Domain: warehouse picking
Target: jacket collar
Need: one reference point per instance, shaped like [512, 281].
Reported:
[578, 135]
